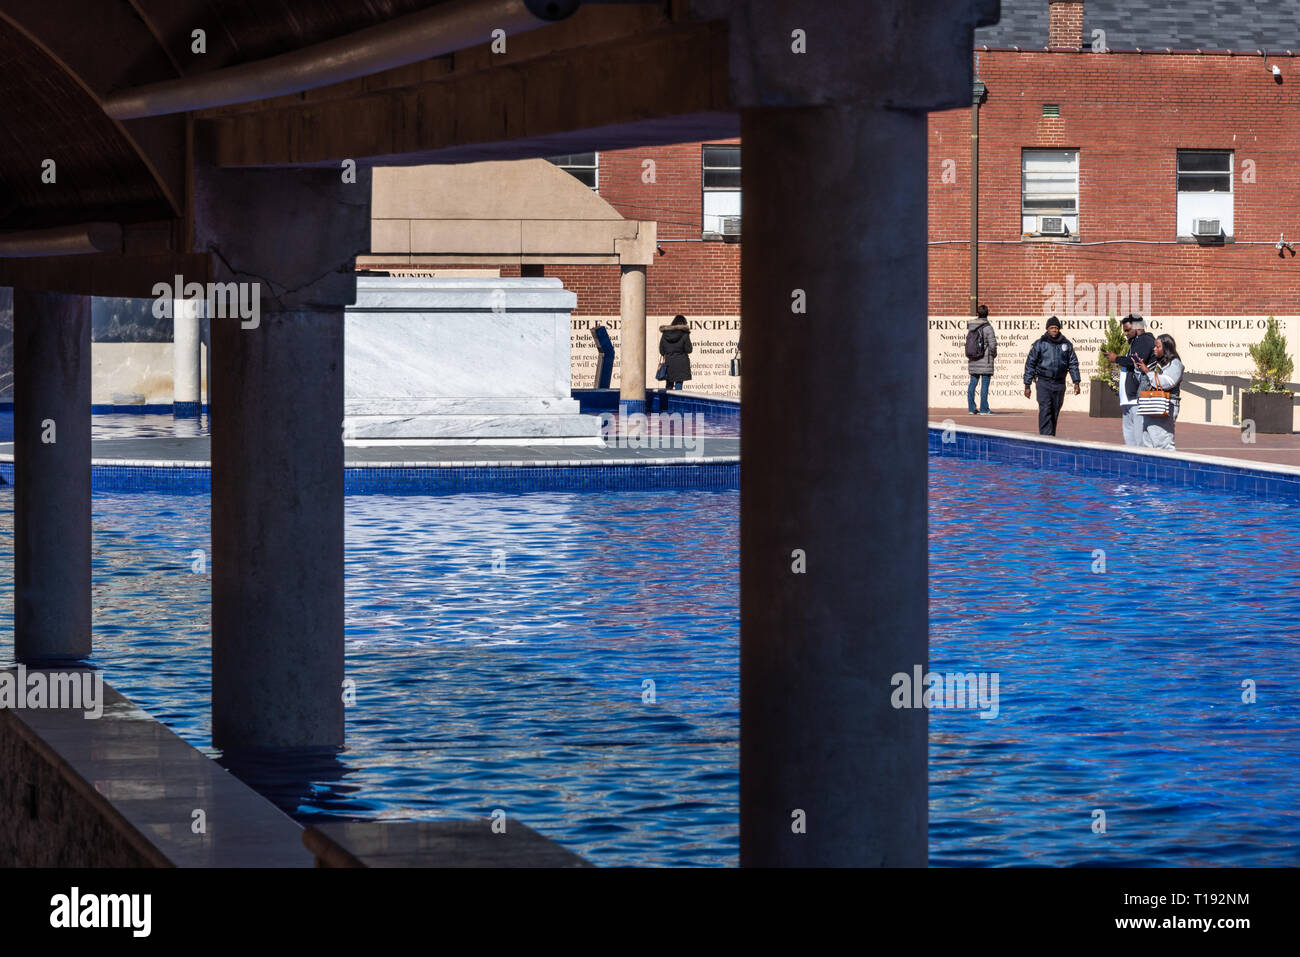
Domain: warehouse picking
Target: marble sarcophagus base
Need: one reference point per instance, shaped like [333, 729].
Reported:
[438, 360]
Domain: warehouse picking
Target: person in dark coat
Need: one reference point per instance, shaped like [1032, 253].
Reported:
[1051, 358]
[675, 350]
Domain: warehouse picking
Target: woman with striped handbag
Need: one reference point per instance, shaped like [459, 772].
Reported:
[1159, 399]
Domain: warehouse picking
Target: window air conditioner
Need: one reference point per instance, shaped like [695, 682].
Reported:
[1206, 227]
[731, 225]
[1051, 226]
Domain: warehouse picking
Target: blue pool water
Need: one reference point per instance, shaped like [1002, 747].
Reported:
[521, 688]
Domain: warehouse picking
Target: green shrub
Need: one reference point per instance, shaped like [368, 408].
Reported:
[1273, 365]
[1115, 342]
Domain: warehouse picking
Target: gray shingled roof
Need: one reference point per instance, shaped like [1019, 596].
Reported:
[1156, 24]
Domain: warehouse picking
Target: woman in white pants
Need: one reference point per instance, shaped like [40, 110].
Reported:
[1165, 372]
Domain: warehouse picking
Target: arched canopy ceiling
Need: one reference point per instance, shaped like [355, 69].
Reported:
[46, 114]
[61, 57]
[614, 74]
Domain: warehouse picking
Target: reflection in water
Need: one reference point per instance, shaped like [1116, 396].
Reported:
[499, 645]
[291, 779]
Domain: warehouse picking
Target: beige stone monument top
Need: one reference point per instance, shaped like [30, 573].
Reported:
[518, 212]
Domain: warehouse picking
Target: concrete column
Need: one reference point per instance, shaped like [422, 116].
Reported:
[833, 506]
[51, 476]
[277, 450]
[187, 378]
[277, 531]
[631, 310]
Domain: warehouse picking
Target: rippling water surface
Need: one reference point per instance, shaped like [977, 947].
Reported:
[521, 686]
[1120, 683]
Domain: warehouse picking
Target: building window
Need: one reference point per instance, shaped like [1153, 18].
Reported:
[583, 166]
[1049, 193]
[1204, 194]
[721, 182]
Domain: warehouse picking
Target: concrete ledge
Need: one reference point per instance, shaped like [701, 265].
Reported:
[1258, 479]
[431, 469]
[122, 790]
[434, 844]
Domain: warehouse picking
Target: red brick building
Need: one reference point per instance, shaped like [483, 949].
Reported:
[1144, 132]
[698, 271]
[1131, 159]
[1125, 114]
[692, 192]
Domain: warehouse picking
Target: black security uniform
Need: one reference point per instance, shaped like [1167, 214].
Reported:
[1050, 361]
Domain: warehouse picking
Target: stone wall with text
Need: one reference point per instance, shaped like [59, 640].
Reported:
[713, 342]
[1208, 345]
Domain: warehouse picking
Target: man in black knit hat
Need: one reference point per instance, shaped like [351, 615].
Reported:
[1051, 358]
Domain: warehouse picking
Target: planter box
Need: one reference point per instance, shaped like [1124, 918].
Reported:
[1103, 401]
[1271, 411]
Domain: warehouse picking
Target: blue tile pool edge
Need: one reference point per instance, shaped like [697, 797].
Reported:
[436, 479]
[1276, 483]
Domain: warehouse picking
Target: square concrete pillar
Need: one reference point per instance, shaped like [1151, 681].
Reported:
[289, 239]
[51, 476]
[833, 568]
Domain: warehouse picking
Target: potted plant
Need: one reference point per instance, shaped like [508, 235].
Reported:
[1103, 392]
[1269, 401]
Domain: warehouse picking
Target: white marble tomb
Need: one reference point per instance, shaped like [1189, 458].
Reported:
[460, 361]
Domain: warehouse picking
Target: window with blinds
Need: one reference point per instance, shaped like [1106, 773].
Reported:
[720, 181]
[1204, 195]
[1049, 193]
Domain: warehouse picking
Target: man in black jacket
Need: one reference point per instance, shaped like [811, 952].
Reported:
[1141, 344]
[1051, 358]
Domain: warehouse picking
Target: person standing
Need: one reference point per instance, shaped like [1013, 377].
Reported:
[674, 350]
[981, 350]
[1141, 345]
[1050, 359]
[1165, 372]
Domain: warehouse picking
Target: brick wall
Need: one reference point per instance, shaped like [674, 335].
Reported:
[691, 277]
[46, 821]
[1065, 23]
[1127, 114]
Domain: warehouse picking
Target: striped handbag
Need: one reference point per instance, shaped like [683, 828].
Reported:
[1153, 402]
